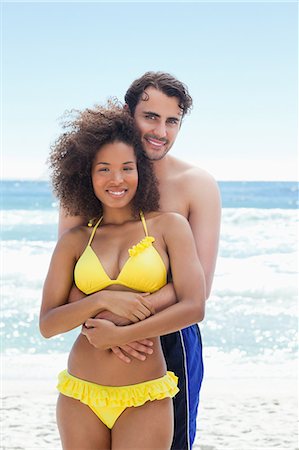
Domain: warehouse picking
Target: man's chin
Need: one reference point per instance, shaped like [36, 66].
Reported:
[155, 155]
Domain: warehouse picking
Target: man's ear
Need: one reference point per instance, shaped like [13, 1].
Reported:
[127, 109]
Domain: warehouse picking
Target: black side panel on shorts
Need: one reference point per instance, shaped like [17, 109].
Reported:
[175, 359]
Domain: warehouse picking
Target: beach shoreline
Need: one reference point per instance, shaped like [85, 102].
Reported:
[236, 412]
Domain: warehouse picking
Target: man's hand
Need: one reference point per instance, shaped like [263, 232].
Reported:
[135, 349]
[100, 333]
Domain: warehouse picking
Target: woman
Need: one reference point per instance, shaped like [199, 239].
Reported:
[100, 171]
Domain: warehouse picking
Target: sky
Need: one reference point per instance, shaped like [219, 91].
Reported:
[238, 59]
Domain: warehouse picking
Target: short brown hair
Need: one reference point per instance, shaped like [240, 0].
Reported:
[163, 82]
[73, 153]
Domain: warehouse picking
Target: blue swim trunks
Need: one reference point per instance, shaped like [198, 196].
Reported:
[183, 354]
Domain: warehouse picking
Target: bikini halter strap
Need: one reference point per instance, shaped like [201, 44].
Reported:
[94, 230]
[101, 218]
[143, 222]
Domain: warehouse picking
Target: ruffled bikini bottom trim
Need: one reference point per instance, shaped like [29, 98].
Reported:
[115, 396]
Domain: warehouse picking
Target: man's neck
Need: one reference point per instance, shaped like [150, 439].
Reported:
[162, 166]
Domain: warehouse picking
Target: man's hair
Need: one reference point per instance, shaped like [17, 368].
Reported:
[163, 82]
[72, 155]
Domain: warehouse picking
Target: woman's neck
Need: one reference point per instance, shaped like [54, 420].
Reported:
[117, 216]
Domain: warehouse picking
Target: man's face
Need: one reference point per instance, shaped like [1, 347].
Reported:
[158, 118]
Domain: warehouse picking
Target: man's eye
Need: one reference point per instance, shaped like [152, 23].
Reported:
[173, 121]
[150, 116]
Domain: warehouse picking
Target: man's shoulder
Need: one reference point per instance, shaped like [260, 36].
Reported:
[168, 219]
[74, 235]
[190, 174]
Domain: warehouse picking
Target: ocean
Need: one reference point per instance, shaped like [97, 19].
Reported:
[251, 316]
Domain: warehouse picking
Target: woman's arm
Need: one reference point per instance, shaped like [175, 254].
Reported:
[58, 316]
[166, 296]
[189, 285]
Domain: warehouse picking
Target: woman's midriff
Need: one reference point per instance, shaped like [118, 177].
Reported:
[104, 367]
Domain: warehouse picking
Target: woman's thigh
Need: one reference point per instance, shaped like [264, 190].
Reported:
[149, 426]
[79, 427]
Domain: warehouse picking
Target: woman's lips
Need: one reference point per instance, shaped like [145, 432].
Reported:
[118, 193]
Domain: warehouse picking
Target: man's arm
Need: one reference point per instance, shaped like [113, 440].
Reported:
[204, 219]
[163, 298]
[67, 222]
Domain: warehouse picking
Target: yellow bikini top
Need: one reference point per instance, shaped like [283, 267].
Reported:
[143, 271]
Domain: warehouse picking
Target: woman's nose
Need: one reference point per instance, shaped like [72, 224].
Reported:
[117, 177]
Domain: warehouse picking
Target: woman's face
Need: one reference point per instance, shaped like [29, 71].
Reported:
[114, 174]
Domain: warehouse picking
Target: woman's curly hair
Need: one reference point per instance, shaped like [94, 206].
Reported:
[72, 155]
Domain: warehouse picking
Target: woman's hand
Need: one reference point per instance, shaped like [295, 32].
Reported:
[117, 320]
[132, 306]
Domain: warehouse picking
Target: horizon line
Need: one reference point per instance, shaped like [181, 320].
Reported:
[217, 180]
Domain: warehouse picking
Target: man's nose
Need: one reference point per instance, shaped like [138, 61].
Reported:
[160, 130]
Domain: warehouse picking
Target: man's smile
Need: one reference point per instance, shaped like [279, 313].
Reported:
[159, 143]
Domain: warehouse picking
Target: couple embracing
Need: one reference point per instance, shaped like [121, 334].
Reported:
[134, 265]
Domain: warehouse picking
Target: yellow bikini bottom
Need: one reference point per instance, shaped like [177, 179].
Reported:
[108, 402]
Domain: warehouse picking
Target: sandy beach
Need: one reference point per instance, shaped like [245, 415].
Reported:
[238, 413]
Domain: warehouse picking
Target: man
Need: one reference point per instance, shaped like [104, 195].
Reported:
[158, 103]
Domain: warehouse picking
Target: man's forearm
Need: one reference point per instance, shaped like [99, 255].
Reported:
[177, 317]
[163, 298]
